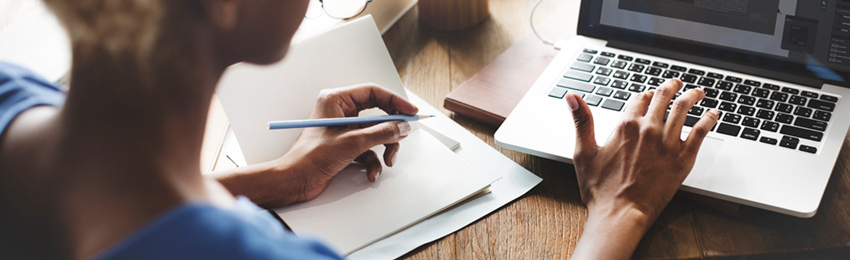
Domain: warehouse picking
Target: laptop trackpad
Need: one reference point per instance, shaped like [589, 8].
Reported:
[708, 151]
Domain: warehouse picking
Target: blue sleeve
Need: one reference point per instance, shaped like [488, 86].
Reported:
[21, 89]
[207, 232]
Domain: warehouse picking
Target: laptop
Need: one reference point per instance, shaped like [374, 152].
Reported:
[777, 70]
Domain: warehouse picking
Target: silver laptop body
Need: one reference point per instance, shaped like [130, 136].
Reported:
[776, 69]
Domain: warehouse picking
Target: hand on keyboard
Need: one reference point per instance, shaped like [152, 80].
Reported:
[628, 182]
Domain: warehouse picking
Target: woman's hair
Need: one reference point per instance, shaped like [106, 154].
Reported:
[116, 27]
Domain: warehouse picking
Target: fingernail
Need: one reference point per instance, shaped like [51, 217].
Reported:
[378, 175]
[392, 157]
[403, 129]
[572, 103]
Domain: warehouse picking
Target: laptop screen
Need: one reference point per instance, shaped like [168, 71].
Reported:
[807, 38]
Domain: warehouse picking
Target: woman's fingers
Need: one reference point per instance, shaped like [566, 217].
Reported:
[390, 154]
[383, 133]
[661, 99]
[360, 97]
[639, 104]
[373, 165]
[680, 109]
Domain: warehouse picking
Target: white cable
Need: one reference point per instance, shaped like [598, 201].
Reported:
[531, 21]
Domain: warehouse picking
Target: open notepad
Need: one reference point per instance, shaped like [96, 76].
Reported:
[352, 212]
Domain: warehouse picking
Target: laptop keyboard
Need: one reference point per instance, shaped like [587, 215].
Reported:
[748, 108]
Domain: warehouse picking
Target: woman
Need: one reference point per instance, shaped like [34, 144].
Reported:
[110, 170]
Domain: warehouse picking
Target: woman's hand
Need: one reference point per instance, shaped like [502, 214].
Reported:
[320, 153]
[628, 182]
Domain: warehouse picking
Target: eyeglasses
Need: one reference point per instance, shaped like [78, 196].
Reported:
[344, 9]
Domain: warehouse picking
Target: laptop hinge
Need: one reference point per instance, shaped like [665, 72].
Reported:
[805, 81]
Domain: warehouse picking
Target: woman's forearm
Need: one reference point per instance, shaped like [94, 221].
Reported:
[611, 233]
[267, 184]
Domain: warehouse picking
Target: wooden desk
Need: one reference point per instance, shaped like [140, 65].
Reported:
[547, 222]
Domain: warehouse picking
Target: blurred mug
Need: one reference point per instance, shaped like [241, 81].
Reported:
[451, 15]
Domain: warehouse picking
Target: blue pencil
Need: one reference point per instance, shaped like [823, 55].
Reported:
[342, 121]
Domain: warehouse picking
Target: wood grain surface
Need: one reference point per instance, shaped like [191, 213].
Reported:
[547, 222]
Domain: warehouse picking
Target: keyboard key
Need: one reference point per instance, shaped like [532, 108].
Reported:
[580, 76]
[784, 108]
[802, 111]
[619, 84]
[752, 83]
[728, 96]
[602, 61]
[789, 142]
[759, 92]
[822, 115]
[814, 103]
[660, 64]
[696, 71]
[765, 114]
[747, 100]
[653, 71]
[801, 133]
[625, 57]
[608, 54]
[751, 122]
[790, 90]
[678, 68]
[725, 85]
[601, 81]
[695, 110]
[558, 92]
[582, 67]
[743, 89]
[622, 95]
[689, 78]
[591, 51]
[770, 86]
[706, 82]
[797, 100]
[669, 74]
[619, 64]
[691, 121]
[829, 98]
[642, 61]
[689, 87]
[734, 79]
[604, 71]
[750, 134]
[784, 118]
[709, 103]
[728, 129]
[636, 68]
[575, 85]
[621, 74]
[714, 75]
[779, 96]
[584, 57]
[809, 94]
[592, 100]
[655, 81]
[768, 140]
[808, 149]
[711, 92]
[638, 78]
[810, 124]
[746, 110]
[728, 107]
[615, 105]
[732, 118]
[764, 103]
[637, 87]
[770, 126]
[603, 91]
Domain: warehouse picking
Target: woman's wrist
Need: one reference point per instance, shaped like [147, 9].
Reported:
[269, 184]
[612, 232]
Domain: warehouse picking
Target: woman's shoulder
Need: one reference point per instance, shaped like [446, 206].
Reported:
[22, 89]
[195, 231]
